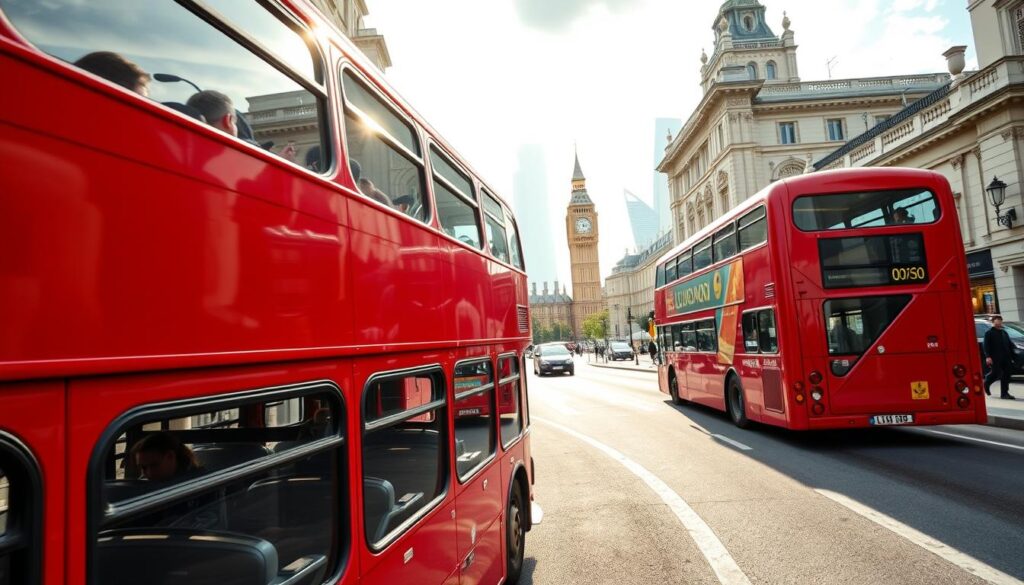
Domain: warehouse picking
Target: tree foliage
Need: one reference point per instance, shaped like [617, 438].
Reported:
[595, 326]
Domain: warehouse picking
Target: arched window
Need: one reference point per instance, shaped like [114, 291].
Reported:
[748, 23]
[752, 70]
[725, 202]
[770, 70]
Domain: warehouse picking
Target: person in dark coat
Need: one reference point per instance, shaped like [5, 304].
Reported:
[999, 355]
[652, 348]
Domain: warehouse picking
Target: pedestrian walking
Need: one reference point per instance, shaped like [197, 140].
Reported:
[999, 355]
[652, 348]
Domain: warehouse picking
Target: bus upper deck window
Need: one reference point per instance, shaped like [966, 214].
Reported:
[867, 209]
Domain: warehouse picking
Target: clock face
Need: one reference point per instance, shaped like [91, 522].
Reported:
[583, 226]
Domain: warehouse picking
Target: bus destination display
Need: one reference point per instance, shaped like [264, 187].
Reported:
[873, 261]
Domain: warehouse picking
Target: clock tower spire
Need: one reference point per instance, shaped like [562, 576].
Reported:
[582, 237]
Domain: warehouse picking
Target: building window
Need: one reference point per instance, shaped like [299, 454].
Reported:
[748, 22]
[721, 135]
[1018, 21]
[835, 129]
[769, 69]
[752, 70]
[787, 132]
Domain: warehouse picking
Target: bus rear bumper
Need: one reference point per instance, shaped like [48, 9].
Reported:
[963, 417]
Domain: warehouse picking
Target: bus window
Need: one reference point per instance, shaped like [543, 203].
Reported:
[852, 325]
[767, 337]
[659, 279]
[725, 242]
[474, 416]
[190, 471]
[405, 458]
[383, 151]
[867, 209]
[508, 399]
[684, 264]
[494, 216]
[707, 338]
[753, 228]
[20, 520]
[688, 336]
[702, 254]
[456, 201]
[192, 67]
[670, 271]
[514, 249]
[750, 339]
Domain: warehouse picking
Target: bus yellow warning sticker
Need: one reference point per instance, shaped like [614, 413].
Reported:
[919, 390]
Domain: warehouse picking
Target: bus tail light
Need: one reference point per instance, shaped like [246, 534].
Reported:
[816, 394]
[976, 377]
[798, 389]
[959, 371]
[815, 377]
[961, 387]
[963, 402]
[818, 408]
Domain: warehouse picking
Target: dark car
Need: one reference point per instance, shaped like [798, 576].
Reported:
[553, 358]
[1016, 332]
[620, 351]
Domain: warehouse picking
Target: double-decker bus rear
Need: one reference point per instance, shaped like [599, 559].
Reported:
[879, 282]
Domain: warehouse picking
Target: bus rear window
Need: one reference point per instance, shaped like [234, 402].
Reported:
[865, 210]
[853, 325]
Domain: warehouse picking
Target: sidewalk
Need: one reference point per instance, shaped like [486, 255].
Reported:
[1008, 414]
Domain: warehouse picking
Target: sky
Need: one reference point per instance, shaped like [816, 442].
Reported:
[594, 74]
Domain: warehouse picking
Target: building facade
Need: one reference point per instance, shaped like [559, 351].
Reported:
[548, 308]
[758, 122]
[582, 234]
[664, 130]
[348, 16]
[972, 132]
[631, 286]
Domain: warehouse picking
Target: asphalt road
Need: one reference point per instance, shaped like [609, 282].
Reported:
[636, 490]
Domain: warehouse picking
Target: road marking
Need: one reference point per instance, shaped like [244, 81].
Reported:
[940, 549]
[722, 563]
[732, 442]
[986, 441]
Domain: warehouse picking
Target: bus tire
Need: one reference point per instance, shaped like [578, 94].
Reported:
[515, 534]
[673, 389]
[736, 404]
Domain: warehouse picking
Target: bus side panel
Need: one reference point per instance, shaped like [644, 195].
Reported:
[154, 235]
[34, 413]
[472, 298]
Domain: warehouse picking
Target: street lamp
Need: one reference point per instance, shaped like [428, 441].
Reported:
[629, 325]
[997, 194]
[618, 320]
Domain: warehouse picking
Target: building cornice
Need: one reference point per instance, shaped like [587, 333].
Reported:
[718, 92]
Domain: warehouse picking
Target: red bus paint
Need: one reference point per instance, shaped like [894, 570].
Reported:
[831, 300]
[166, 279]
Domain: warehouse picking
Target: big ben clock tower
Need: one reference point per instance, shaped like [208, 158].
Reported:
[582, 236]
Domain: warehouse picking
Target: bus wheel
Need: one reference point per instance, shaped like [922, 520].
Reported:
[737, 406]
[515, 534]
[673, 389]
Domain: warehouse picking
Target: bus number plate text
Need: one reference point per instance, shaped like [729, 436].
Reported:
[892, 419]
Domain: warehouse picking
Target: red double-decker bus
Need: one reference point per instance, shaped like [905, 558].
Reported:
[831, 300]
[260, 323]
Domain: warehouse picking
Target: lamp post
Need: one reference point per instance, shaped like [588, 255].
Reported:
[618, 321]
[629, 328]
[997, 194]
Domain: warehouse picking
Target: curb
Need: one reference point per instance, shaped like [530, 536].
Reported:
[1002, 422]
[1006, 422]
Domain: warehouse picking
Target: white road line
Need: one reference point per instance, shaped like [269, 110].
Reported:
[942, 550]
[732, 442]
[722, 563]
[986, 441]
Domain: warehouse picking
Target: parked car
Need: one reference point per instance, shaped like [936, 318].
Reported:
[553, 358]
[1016, 332]
[620, 351]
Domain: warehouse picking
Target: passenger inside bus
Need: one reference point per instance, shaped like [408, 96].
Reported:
[115, 68]
[217, 109]
[162, 457]
[901, 216]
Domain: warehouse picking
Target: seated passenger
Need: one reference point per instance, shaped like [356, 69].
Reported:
[313, 158]
[162, 457]
[217, 109]
[368, 189]
[115, 68]
[404, 203]
[901, 216]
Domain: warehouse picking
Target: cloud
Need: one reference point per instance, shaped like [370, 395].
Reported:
[557, 16]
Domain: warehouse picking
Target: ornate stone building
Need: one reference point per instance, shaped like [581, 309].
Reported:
[548, 308]
[972, 131]
[581, 232]
[758, 122]
[348, 16]
[631, 285]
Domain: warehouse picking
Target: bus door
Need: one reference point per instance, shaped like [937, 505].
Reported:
[879, 354]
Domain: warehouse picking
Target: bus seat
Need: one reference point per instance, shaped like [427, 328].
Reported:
[217, 456]
[380, 507]
[165, 556]
[186, 109]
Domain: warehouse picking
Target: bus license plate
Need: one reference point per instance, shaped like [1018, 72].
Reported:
[892, 419]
